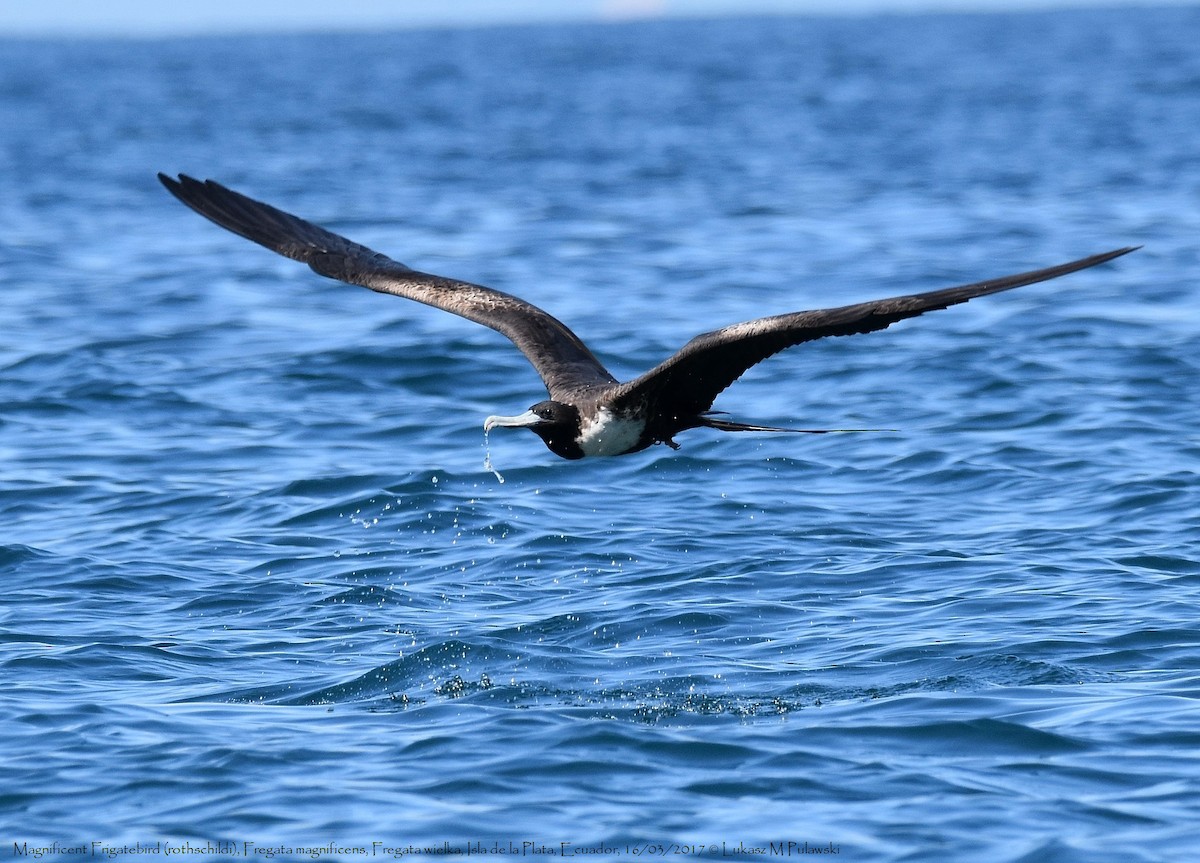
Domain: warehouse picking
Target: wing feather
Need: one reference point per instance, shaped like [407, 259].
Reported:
[561, 359]
[688, 382]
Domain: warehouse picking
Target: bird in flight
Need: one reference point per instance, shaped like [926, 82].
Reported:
[589, 412]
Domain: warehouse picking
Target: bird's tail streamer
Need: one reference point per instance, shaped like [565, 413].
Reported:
[731, 426]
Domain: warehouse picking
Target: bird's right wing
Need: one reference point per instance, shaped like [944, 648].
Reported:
[563, 361]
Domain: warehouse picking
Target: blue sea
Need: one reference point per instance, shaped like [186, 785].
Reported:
[261, 599]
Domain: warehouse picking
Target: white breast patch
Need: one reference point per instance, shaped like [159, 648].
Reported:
[609, 434]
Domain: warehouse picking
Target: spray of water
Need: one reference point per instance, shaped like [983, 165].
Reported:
[487, 457]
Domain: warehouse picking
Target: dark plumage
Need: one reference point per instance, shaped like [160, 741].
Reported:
[589, 412]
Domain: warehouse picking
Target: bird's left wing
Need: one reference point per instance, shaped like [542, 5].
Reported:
[561, 359]
[688, 382]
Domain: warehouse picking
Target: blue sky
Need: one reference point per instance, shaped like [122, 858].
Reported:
[159, 17]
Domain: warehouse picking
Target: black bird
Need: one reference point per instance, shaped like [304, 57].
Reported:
[589, 412]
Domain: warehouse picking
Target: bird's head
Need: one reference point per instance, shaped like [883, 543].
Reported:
[557, 424]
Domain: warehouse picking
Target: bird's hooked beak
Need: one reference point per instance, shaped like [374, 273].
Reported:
[529, 418]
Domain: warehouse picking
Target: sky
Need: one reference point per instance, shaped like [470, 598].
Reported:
[162, 17]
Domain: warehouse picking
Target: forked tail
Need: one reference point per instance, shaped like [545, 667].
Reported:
[712, 422]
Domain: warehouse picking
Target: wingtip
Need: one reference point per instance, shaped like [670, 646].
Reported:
[177, 186]
[181, 181]
[1102, 258]
[1124, 250]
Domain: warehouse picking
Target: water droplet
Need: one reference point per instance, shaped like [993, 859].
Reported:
[487, 457]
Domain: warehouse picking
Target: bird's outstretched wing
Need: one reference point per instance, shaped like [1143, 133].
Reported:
[563, 361]
[688, 382]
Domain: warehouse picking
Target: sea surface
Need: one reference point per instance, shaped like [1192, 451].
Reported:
[260, 596]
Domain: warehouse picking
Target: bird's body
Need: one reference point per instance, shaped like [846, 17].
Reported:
[609, 433]
[589, 412]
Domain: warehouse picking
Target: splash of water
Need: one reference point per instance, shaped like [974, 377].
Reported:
[487, 457]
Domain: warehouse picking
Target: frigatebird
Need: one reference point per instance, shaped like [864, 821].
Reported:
[589, 412]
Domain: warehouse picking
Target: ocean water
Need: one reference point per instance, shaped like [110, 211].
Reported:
[261, 596]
